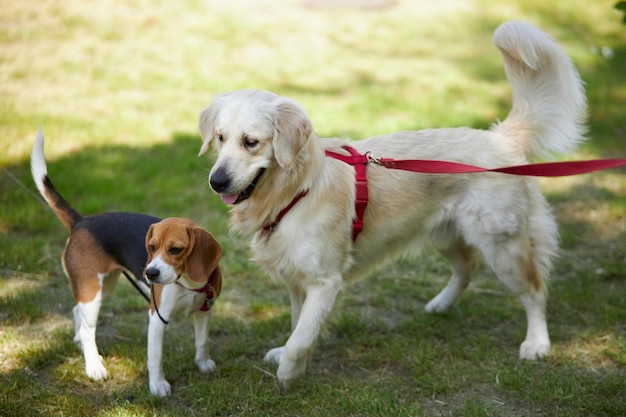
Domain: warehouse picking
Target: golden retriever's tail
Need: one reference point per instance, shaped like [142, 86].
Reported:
[66, 213]
[549, 103]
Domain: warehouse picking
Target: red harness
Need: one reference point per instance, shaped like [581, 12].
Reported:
[208, 290]
[360, 161]
[360, 203]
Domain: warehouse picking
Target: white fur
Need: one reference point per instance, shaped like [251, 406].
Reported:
[548, 95]
[38, 166]
[167, 273]
[505, 218]
[85, 321]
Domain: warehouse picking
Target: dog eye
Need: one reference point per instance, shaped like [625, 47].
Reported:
[250, 143]
[220, 138]
[151, 248]
[175, 251]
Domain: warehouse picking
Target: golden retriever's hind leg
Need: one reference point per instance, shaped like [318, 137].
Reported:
[516, 266]
[537, 342]
[462, 259]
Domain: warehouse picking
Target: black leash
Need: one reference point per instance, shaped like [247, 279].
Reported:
[155, 305]
[144, 295]
[136, 285]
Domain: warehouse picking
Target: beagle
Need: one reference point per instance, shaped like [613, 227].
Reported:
[180, 252]
[102, 246]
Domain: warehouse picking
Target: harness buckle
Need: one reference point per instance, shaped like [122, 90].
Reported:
[372, 159]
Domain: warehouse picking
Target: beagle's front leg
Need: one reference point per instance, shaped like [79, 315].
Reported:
[201, 322]
[158, 384]
[156, 331]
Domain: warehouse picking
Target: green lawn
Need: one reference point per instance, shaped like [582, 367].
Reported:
[117, 88]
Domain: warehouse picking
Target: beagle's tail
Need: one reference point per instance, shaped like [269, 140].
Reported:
[549, 103]
[66, 213]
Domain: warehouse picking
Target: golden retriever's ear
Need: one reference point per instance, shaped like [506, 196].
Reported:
[206, 124]
[204, 256]
[292, 129]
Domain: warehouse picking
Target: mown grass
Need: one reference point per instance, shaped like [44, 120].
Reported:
[117, 89]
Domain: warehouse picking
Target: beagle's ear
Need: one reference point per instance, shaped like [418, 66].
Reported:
[292, 129]
[148, 237]
[204, 256]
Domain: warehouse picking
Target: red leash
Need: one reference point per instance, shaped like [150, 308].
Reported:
[547, 169]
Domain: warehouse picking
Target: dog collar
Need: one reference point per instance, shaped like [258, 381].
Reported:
[269, 228]
[359, 162]
[208, 290]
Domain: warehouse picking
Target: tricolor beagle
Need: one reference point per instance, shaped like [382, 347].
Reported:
[102, 246]
[180, 252]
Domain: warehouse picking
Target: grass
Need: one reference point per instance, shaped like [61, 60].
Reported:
[117, 89]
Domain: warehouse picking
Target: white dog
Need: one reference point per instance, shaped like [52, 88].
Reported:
[297, 204]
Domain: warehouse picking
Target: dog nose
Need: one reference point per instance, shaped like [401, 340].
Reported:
[152, 273]
[219, 180]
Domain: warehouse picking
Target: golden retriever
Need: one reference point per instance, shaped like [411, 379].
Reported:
[268, 153]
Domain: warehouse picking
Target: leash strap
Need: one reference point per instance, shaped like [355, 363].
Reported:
[136, 285]
[547, 169]
[166, 322]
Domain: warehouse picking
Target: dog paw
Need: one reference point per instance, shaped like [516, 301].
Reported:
[207, 365]
[274, 355]
[437, 305]
[160, 388]
[96, 371]
[290, 370]
[533, 350]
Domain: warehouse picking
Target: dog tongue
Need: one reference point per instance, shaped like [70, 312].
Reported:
[229, 198]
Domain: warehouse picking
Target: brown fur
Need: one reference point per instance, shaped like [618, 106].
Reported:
[83, 259]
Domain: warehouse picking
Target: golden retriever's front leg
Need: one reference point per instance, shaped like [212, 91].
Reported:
[296, 298]
[319, 300]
